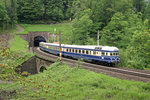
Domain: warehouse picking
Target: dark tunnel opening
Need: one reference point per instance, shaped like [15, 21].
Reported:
[42, 69]
[37, 40]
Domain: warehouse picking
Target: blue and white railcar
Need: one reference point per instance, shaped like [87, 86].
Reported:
[104, 54]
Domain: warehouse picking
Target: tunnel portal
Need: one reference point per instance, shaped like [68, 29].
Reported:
[38, 39]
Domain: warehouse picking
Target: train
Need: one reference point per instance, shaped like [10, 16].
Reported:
[103, 54]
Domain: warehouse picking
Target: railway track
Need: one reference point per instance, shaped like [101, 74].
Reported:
[123, 73]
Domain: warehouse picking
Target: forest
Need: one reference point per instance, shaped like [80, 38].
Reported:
[121, 23]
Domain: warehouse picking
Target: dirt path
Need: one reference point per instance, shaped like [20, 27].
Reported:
[5, 82]
[20, 28]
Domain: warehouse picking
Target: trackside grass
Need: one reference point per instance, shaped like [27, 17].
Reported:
[60, 82]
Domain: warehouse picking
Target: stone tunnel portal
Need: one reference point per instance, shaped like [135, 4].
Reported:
[38, 39]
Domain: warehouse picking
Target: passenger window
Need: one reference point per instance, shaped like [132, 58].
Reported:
[83, 51]
[106, 53]
[97, 53]
[86, 52]
[89, 52]
[76, 51]
[79, 51]
[94, 52]
[103, 53]
[72, 50]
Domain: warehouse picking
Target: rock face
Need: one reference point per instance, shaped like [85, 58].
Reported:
[4, 38]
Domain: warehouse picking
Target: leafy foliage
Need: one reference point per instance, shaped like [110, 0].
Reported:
[43, 11]
[82, 28]
[118, 22]
[11, 57]
[138, 50]
[8, 15]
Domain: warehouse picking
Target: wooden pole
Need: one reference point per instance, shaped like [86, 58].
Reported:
[60, 49]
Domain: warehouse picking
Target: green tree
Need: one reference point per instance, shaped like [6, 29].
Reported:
[138, 50]
[102, 11]
[30, 11]
[81, 28]
[4, 18]
[147, 13]
[120, 29]
[139, 5]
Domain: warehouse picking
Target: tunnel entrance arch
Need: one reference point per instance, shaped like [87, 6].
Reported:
[42, 69]
[38, 39]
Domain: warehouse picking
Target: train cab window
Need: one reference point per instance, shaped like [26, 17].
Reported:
[114, 54]
[103, 53]
[111, 54]
[117, 54]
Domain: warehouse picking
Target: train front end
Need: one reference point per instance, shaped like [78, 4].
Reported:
[114, 55]
[110, 55]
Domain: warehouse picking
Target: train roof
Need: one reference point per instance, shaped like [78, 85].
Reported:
[107, 48]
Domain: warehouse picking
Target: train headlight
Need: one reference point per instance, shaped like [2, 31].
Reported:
[102, 57]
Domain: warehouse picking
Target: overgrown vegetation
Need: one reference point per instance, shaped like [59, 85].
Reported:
[60, 82]
[11, 57]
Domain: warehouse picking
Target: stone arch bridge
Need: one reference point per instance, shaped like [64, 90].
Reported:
[36, 64]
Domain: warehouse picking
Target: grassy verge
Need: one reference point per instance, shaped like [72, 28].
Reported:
[60, 82]
[65, 29]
